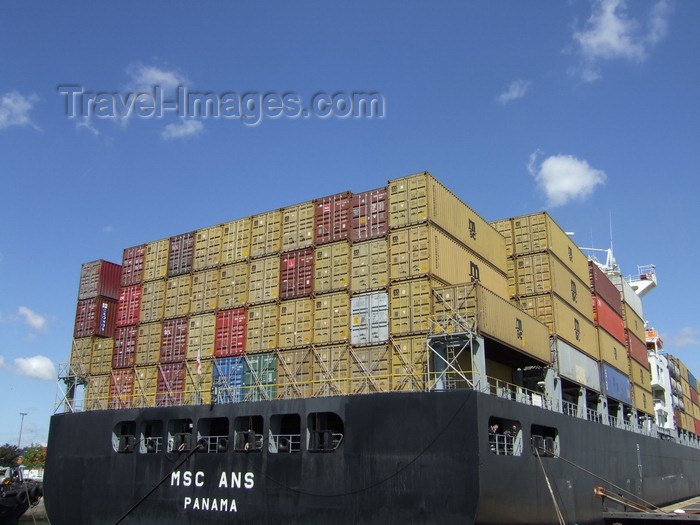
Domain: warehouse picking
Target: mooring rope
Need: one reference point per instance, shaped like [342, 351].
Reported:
[560, 517]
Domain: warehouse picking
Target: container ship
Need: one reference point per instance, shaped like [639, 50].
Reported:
[367, 358]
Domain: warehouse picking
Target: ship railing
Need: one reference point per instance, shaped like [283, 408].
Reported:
[213, 444]
[570, 409]
[152, 445]
[502, 444]
[593, 415]
[285, 443]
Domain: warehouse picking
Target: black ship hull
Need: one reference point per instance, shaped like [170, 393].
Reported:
[408, 458]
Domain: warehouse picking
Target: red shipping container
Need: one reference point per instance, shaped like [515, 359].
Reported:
[369, 217]
[132, 265]
[96, 316]
[125, 340]
[230, 332]
[636, 349]
[694, 395]
[173, 346]
[171, 384]
[604, 288]
[332, 217]
[608, 319]
[121, 388]
[297, 273]
[99, 279]
[697, 427]
[129, 305]
[181, 254]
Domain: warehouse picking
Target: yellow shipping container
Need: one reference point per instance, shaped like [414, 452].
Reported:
[538, 232]
[612, 351]
[177, 296]
[634, 323]
[205, 291]
[81, 355]
[543, 272]
[369, 262]
[410, 306]
[331, 372]
[332, 267]
[563, 321]
[419, 198]
[639, 375]
[262, 328]
[198, 382]
[266, 233]
[409, 363]
[370, 369]
[201, 336]
[331, 318]
[148, 344]
[101, 362]
[145, 385]
[152, 301]
[298, 226]
[643, 399]
[417, 251]
[233, 285]
[207, 248]
[296, 322]
[235, 240]
[97, 391]
[295, 373]
[685, 385]
[264, 279]
[155, 265]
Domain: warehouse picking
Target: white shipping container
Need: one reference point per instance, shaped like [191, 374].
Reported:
[369, 314]
[628, 294]
[577, 366]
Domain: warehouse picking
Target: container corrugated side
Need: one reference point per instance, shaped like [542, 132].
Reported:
[99, 278]
[425, 250]
[331, 318]
[617, 384]
[410, 305]
[639, 375]
[628, 294]
[369, 216]
[125, 343]
[148, 344]
[332, 267]
[198, 381]
[577, 366]
[133, 260]
[605, 317]
[102, 350]
[235, 240]
[369, 262]
[611, 350]
[205, 291]
[121, 388]
[173, 341]
[633, 322]
[636, 349]
[295, 373]
[181, 254]
[233, 285]
[155, 265]
[262, 328]
[145, 385]
[129, 305]
[409, 363]
[227, 379]
[152, 301]
[97, 391]
[178, 291]
[230, 332]
[296, 273]
[563, 321]
[644, 402]
[264, 280]
[81, 355]
[602, 286]
[331, 371]
[201, 336]
[266, 233]
[171, 384]
[96, 316]
[332, 217]
[260, 377]
[207, 248]
[370, 369]
[296, 322]
[420, 197]
[369, 318]
[297, 226]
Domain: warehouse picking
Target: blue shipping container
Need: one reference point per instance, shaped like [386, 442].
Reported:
[617, 384]
[227, 379]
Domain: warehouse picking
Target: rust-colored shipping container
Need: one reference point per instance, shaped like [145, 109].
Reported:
[101, 360]
[331, 318]
[263, 280]
[235, 240]
[266, 233]
[612, 351]
[369, 215]
[121, 388]
[133, 261]
[99, 278]
[694, 397]
[207, 248]
[155, 265]
[173, 341]
[95, 316]
[171, 384]
[297, 226]
[178, 291]
[205, 291]
[410, 305]
[201, 336]
[233, 285]
[181, 254]
[129, 306]
[332, 217]
[152, 301]
[605, 317]
[262, 328]
[148, 343]
[603, 287]
[125, 342]
[296, 322]
[332, 267]
[296, 273]
[369, 262]
[230, 332]
[421, 198]
[636, 349]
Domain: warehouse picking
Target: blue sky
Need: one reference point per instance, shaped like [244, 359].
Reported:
[586, 109]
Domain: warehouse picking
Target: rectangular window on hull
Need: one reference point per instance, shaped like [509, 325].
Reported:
[179, 435]
[124, 437]
[212, 434]
[151, 438]
[545, 441]
[248, 434]
[324, 431]
[285, 434]
[505, 437]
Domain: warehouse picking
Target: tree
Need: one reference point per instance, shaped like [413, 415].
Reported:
[9, 455]
[34, 456]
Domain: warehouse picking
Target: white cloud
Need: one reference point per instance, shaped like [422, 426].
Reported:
[144, 78]
[38, 367]
[564, 177]
[2, 361]
[85, 123]
[186, 128]
[33, 319]
[108, 229]
[611, 34]
[516, 90]
[15, 108]
[688, 336]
